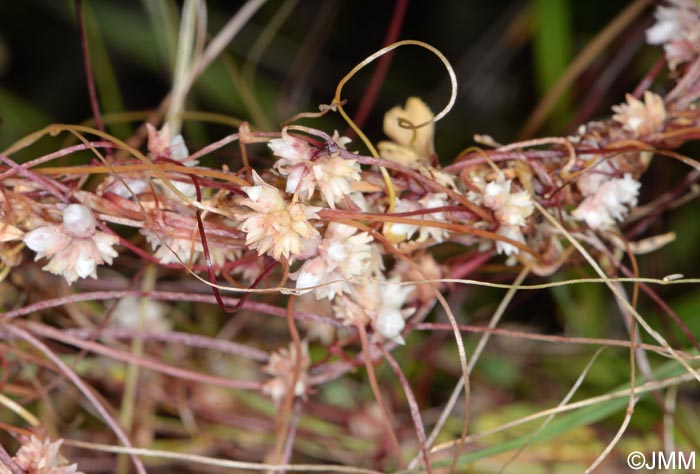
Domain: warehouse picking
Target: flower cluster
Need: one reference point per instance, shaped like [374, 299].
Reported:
[606, 198]
[75, 247]
[343, 254]
[282, 367]
[142, 314]
[379, 303]
[38, 456]
[676, 28]
[274, 225]
[641, 118]
[399, 232]
[511, 209]
[305, 170]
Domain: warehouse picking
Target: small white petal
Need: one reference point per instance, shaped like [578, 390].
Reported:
[43, 239]
[389, 324]
[512, 232]
[78, 221]
[253, 192]
[179, 151]
[661, 32]
[85, 265]
[311, 273]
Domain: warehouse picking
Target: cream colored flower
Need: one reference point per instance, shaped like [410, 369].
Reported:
[676, 28]
[170, 249]
[291, 150]
[275, 226]
[609, 203]
[595, 175]
[641, 118]
[378, 302]
[126, 187]
[340, 140]
[410, 147]
[143, 314]
[294, 160]
[332, 174]
[43, 457]
[314, 329]
[75, 246]
[424, 267]
[399, 231]
[173, 248]
[343, 254]
[281, 367]
[512, 232]
[433, 201]
[509, 208]
[162, 144]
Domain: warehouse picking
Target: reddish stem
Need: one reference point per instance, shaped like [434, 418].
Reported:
[89, 76]
[647, 80]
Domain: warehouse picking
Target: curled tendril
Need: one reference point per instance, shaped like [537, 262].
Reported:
[338, 102]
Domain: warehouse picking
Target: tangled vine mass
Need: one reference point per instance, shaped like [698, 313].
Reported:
[348, 246]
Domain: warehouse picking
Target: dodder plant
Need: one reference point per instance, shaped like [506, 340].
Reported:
[349, 248]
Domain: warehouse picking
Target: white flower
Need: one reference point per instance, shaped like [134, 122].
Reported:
[171, 249]
[512, 232]
[610, 202]
[410, 147]
[424, 268]
[176, 248]
[440, 177]
[291, 150]
[275, 226]
[388, 319]
[592, 179]
[127, 187]
[75, 246]
[281, 367]
[343, 254]
[378, 302]
[314, 329]
[677, 29]
[143, 314]
[43, 457]
[162, 144]
[509, 208]
[332, 174]
[667, 26]
[641, 118]
[340, 140]
[294, 157]
[399, 231]
[433, 201]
